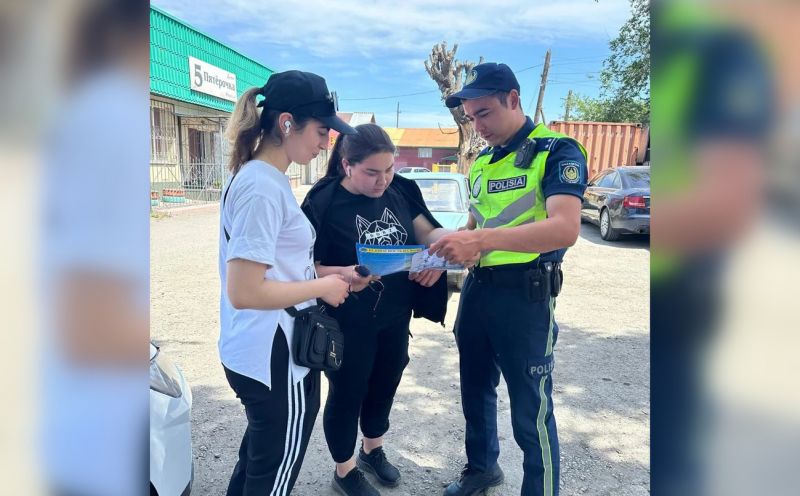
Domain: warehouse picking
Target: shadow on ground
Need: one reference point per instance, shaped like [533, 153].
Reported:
[596, 402]
[591, 233]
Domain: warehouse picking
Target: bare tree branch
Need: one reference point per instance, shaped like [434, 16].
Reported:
[449, 74]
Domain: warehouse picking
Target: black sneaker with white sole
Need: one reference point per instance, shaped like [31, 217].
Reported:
[376, 464]
[353, 484]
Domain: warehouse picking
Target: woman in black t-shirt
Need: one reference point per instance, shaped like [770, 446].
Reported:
[361, 201]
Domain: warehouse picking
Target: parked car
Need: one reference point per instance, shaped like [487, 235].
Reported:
[171, 462]
[411, 170]
[446, 195]
[618, 200]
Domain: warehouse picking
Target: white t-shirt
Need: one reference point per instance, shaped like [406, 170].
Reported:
[265, 225]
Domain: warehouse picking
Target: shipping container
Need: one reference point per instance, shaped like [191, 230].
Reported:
[608, 144]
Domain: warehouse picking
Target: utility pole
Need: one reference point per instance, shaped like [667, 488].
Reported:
[542, 87]
[397, 123]
[568, 105]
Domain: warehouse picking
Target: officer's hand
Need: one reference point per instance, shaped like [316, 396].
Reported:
[472, 261]
[459, 247]
[427, 277]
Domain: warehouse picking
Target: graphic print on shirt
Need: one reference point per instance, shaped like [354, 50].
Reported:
[385, 231]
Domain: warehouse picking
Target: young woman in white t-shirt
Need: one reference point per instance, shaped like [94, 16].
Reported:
[266, 264]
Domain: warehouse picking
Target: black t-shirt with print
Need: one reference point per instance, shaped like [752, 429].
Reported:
[352, 219]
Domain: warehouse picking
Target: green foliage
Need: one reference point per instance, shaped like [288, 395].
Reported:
[625, 78]
[617, 110]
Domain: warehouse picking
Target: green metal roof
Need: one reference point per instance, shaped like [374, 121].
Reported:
[172, 41]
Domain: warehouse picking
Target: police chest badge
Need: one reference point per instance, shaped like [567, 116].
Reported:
[570, 171]
[476, 186]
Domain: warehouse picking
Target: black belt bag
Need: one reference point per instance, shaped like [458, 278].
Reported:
[318, 343]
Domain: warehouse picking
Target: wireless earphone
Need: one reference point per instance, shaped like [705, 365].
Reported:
[287, 125]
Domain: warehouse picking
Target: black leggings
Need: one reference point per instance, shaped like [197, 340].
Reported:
[268, 461]
[375, 357]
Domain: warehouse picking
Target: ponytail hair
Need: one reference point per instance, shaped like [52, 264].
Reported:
[355, 148]
[250, 126]
[244, 129]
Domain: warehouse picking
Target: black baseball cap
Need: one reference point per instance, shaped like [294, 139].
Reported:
[303, 94]
[484, 79]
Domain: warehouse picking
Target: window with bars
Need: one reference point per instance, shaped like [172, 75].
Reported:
[424, 152]
[163, 133]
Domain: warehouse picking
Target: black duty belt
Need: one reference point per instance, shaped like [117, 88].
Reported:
[513, 275]
[547, 274]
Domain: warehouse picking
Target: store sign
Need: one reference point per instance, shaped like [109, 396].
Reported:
[212, 80]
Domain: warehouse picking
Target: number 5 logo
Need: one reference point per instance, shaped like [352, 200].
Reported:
[198, 76]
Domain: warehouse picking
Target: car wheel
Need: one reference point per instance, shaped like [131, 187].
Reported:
[607, 232]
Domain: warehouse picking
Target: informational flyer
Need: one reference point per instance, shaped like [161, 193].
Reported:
[389, 259]
[424, 260]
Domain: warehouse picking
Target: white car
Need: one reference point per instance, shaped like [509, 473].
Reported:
[171, 463]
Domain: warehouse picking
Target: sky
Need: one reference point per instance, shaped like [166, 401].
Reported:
[372, 52]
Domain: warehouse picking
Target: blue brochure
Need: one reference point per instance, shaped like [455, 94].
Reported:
[385, 260]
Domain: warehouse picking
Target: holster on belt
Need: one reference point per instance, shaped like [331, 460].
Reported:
[545, 280]
[538, 282]
[556, 276]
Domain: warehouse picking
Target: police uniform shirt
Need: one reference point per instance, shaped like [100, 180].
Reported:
[555, 181]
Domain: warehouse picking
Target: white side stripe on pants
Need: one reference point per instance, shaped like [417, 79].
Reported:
[298, 435]
[278, 488]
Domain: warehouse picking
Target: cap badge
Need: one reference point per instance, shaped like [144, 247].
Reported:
[473, 75]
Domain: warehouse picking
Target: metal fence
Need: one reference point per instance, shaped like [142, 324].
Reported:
[187, 159]
[189, 156]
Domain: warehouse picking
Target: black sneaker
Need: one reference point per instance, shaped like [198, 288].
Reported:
[472, 481]
[376, 464]
[353, 484]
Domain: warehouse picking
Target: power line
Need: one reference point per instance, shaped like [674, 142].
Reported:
[580, 72]
[528, 68]
[572, 59]
[559, 64]
[387, 97]
[569, 61]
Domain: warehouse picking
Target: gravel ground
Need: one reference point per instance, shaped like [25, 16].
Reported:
[601, 378]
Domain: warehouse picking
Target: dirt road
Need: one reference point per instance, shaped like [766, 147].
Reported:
[601, 377]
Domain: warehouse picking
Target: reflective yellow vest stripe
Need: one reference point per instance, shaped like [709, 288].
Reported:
[506, 196]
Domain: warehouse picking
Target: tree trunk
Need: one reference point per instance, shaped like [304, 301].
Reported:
[449, 74]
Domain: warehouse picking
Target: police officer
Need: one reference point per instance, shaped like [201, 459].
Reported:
[526, 191]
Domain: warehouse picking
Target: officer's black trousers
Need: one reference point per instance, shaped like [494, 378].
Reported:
[500, 329]
[374, 359]
[279, 424]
